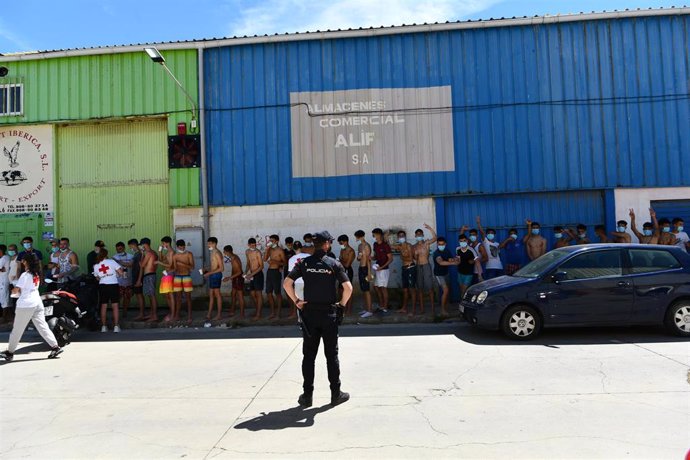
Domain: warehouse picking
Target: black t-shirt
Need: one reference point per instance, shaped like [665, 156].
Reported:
[319, 273]
[466, 265]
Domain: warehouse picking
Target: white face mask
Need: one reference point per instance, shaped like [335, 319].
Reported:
[210, 249]
[401, 240]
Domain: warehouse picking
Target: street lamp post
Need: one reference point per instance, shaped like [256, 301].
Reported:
[157, 57]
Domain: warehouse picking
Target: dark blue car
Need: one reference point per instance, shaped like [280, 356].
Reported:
[588, 285]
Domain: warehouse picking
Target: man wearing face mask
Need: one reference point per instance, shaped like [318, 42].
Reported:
[650, 231]
[28, 245]
[492, 248]
[124, 281]
[514, 251]
[535, 243]
[13, 274]
[52, 266]
[275, 256]
[682, 240]
[600, 232]
[621, 235]
[308, 244]
[93, 255]
[409, 270]
[182, 265]
[254, 275]
[214, 277]
[321, 314]
[425, 281]
[364, 272]
[466, 258]
[68, 263]
[442, 260]
[135, 269]
[667, 238]
[479, 248]
[580, 234]
[562, 238]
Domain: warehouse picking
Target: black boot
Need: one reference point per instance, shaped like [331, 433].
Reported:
[305, 399]
[7, 356]
[339, 397]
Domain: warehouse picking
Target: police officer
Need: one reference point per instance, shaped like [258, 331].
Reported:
[320, 314]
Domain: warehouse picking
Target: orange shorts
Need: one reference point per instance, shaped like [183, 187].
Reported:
[166, 284]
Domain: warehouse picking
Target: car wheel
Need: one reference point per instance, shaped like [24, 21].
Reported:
[521, 323]
[678, 318]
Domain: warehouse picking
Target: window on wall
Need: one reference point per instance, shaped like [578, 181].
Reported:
[11, 99]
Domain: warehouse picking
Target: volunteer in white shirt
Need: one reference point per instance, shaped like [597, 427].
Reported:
[107, 271]
[29, 308]
[299, 282]
[4, 277]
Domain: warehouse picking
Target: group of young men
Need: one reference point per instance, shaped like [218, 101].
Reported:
[478, 256]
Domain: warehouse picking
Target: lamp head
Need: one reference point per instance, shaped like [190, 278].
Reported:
[155, 55]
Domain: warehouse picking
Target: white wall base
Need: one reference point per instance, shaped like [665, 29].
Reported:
[234, 225]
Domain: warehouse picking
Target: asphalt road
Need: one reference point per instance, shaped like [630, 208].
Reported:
[418, 391]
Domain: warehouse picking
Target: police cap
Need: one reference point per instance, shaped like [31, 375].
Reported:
[322, 237]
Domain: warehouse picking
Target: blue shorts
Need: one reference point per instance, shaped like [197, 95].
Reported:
[465, 280]
[215, 280]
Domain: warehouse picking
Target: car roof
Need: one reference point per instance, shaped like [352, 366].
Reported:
[596, 246]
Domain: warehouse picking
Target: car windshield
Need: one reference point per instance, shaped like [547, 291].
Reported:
[537, 267]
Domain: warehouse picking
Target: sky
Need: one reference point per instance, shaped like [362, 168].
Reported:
[39, 25]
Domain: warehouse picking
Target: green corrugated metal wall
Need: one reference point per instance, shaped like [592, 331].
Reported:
[184, 187]
[113, 182]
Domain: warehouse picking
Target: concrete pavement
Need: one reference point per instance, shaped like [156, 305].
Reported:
[418, 391]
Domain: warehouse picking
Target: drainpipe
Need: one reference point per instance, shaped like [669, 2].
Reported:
[204, 169]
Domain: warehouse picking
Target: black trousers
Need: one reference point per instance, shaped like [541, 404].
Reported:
[321, 324]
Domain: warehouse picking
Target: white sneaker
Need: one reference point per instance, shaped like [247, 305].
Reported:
[116, 329]
[366, 314]
[104, 328]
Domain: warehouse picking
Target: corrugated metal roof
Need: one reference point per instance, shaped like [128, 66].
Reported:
[361, 31]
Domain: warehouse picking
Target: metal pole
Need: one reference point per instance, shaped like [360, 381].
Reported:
[189, 98]
[202, 136]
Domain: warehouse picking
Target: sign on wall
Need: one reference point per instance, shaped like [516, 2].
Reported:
[372, 131]
[26, 169]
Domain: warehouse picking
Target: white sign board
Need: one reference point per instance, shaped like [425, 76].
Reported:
[372, 131]
[26, 169]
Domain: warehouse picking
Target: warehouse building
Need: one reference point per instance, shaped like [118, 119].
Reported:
[559, 119]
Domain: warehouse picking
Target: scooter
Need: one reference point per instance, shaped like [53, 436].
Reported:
[62, 313]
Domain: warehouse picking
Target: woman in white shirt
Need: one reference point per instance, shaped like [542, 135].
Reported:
[107, 272]
[29, 307]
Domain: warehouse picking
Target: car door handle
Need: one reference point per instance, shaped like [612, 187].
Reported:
[623, 284]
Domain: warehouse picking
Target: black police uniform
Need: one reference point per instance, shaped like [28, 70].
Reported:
[320, 273]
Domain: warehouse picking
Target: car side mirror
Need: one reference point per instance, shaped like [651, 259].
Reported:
[559, 276]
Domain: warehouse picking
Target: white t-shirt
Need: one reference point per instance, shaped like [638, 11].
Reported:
[493, 261]
[681, 239]
[299, 282]
[106, 271]
[29, 297]
[5, 274]
[14, 271]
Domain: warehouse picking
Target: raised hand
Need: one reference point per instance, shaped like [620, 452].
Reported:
[528, 222]
[652, 213]
[632, 213]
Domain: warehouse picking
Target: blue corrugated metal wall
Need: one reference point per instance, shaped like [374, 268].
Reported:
[581, 105]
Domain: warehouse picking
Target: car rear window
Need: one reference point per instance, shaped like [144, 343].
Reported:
[650, 260]
[596, 264]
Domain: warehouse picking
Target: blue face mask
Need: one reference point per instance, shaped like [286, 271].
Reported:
[666, 229]
[441, 247]
[490, 236]
[680, 228]
[419, 238]
[473, 238]
[513, 236]
[11, 253]
[54, 250]
[535, 231]
[558, 235]
[648, 233]
[27, 246]
[620, 229]
[463, 244]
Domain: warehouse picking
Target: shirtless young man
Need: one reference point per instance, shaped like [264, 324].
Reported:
[364, 273]
[214, 275]
[536, 244]
[409, 271]
[235, 278]
[425, 278]
[562, 238]
[182, 265]
[147, 277]
[254, 273]
[600, 232]
[165, 256]
[275, 256]
[580, 234]
[666, 237]
[621, 235]
[650, 230]
[347, 256]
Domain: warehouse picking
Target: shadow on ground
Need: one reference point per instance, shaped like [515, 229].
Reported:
[295, 417]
